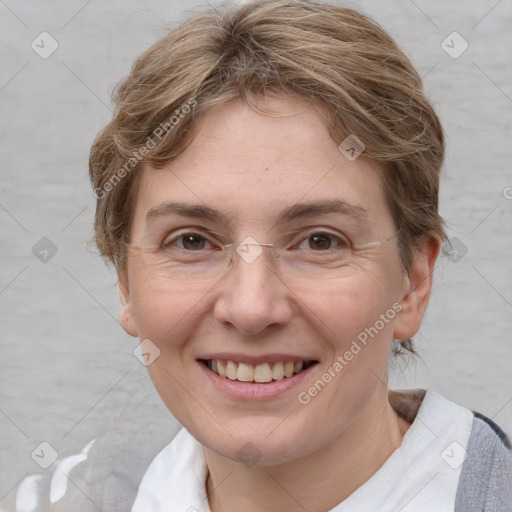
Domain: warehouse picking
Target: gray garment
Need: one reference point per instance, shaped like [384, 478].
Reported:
[485, 483]
[108, 481]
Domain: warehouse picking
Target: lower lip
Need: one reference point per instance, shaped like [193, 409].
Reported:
[253, 390]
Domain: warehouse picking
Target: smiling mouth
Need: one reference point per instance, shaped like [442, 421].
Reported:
[260, 373]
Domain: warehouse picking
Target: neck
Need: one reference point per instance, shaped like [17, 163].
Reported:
[317, 481]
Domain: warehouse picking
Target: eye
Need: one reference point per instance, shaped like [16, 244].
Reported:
[322, 241]
[187, 241]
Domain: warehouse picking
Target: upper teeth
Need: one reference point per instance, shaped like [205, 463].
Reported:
[255, 373]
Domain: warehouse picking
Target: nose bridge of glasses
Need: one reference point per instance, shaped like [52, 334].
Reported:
[249, 250]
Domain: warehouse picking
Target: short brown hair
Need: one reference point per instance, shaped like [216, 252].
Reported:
[335, 58]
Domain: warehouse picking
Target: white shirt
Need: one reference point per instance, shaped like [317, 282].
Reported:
[421, 475]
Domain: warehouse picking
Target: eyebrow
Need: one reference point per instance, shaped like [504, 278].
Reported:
[288, 214]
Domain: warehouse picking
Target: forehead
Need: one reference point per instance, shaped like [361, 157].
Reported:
[252, 167]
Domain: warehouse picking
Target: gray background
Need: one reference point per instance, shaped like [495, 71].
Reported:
[67, 368]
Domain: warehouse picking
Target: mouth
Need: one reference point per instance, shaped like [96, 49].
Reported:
[263, 373]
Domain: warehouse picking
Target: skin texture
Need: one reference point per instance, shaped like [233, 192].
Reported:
[250, 167]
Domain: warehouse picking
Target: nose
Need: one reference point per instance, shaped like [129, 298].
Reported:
[251, 297]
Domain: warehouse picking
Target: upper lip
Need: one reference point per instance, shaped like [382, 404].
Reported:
[254, 359]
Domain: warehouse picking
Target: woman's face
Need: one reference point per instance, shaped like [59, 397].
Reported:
[252, 170]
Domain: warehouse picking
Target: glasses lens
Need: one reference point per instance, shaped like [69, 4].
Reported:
[312, 255]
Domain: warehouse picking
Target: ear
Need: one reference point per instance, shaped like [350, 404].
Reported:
[126, 317]
[416, 289]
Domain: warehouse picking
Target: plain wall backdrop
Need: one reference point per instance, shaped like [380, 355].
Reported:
[67, 369]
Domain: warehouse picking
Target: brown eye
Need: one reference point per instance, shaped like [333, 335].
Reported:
[320, 241]
[193, 241]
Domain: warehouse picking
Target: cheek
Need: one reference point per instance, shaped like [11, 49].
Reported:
[168, 316]
[166, 312]
[356, 316]
[347, 308]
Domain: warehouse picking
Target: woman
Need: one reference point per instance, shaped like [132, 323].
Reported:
[268, 193]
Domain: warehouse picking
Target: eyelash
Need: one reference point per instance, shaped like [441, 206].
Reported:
[341, 240]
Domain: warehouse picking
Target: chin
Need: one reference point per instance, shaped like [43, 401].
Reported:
[264, 442]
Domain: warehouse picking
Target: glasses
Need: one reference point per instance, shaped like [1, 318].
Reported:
[195, 256]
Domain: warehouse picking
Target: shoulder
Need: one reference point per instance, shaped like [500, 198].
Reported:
[484, 450]
[104, 475]
[486, 477]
